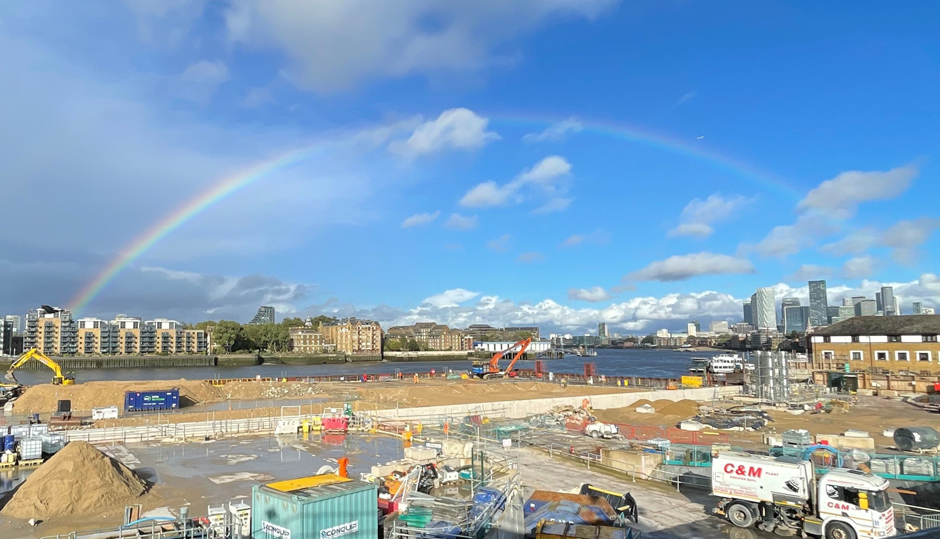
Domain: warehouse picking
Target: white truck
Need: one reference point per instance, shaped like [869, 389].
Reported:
[602, 430]
[783, 495]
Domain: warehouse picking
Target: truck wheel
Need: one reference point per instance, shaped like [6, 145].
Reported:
[595, 434]
[740, 515]
[839, 530]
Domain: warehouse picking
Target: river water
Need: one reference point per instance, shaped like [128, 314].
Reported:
[611, 362]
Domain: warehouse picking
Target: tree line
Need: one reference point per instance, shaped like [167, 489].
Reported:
[233, 337]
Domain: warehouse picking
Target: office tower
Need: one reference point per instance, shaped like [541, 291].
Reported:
[265, 316]
[866, 307]
[795, 318]
[764, 312]
[787, 302]
[857, 299]
[832, 312]
[887, 301]
[897, 306]
[918, 307]
[691, 330]
[602, 330]
[847, 302]
[6, 337]
[719, 327]
[16, 322]
[818, 304]
[879, 302]
[749, 311]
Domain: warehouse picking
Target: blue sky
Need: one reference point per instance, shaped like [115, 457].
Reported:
[554, 162]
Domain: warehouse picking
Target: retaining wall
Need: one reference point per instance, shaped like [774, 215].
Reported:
[522, 408]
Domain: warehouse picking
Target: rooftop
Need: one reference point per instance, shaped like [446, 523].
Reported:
[918, 324]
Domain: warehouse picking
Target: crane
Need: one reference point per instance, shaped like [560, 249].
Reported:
[490, 369]
[58, 377]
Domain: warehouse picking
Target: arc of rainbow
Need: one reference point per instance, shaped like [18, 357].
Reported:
[253, 173]
[660, 141]
[180, 216]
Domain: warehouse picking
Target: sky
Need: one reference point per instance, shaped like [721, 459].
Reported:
[550, 162]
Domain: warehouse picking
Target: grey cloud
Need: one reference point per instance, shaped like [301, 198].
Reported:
[682, 267]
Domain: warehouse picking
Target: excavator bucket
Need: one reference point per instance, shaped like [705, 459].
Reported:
[9, 376]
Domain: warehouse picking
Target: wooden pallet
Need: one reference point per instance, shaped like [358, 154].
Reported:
[21, 464]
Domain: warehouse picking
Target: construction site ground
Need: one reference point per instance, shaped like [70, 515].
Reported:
[200, 396]
[870, 414]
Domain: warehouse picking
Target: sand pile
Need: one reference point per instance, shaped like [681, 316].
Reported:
[77, 480]
[87, 395]
[684, 408]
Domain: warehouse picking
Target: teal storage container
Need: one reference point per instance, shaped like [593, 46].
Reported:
[318, 507]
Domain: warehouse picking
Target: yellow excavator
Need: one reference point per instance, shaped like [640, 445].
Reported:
[58, 377]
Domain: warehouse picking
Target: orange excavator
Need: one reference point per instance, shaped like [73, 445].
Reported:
[490, 369]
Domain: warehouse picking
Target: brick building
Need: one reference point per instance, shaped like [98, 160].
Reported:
[306, 340]
[353, 336]
[432, 336]
[879, 344]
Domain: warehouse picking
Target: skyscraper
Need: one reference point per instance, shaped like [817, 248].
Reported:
[918, 307]
[879, 304]
[795, 318]
[889, 307]
[602, 330]
[265, 315]
[866, 307]
[764, 312]
[787, 302]
[818, 304]
[749, 311]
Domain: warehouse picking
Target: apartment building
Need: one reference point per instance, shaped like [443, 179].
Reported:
[95, 337]
[879, 344]
[353, 336]
[134, 336]
[306, 340]
[432, 336]
[51, 330]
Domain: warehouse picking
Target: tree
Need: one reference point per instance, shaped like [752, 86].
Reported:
[292, 322]
[413, 345]
[204, 325]
[227, 334]
[393, 345]
[319, 320]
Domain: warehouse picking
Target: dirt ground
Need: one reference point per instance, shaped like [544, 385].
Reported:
[428, 392]
[871, 414]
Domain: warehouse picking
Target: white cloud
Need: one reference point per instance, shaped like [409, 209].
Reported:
[332, 46]
[592, 295]
[460, 222]
[257, 97]
[500, 244]
[809, 272]
[459, 128]
[166, 21]
[420, 219]
[598, 237]
[545, 178]
[786, 240]
[905, 237]
[685, 98]
[199, 81]
[680, 268]
[841, 195]
[555, 132]
[450, 298]
[553, 205]
[531, 258]
[856, 242]
[698, 215]
[860, 267]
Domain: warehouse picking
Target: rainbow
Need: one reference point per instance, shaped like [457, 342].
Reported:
[181, 215]
[231, 184]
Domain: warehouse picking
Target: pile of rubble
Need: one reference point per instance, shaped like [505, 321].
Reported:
[560, 415]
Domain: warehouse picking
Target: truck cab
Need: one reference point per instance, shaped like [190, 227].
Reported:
[783, 495]
[856, 502]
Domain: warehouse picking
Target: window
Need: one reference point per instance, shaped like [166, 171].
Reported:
[826, 338]
[923, 356]
[856, 338]
[894, 338]
[901, 356]
[930, 338]
[856, 355]
[828, 355]
[881, 356]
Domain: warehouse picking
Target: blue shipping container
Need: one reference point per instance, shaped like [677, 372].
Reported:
[318, 507]
[145, 401]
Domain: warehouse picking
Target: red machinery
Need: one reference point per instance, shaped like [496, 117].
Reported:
[490, 369]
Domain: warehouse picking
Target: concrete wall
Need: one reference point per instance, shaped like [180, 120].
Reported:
[522, 408]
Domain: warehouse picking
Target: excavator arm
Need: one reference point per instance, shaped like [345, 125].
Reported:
[523, 346]
[58, 377]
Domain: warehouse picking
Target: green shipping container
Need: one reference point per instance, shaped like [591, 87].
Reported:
[317, 507]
